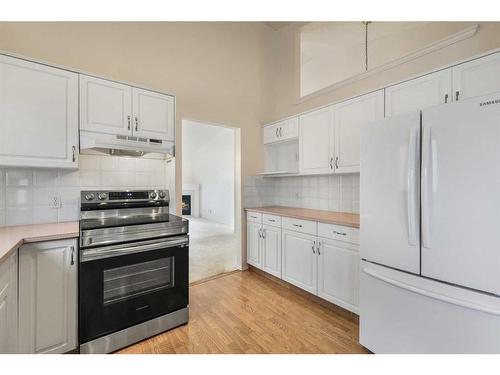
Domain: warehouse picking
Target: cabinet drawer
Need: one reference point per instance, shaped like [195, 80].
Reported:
[298, 225]
[254, 217]
[271, 220]
[339, 233]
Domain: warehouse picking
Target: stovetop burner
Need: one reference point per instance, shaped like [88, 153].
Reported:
[104, 209]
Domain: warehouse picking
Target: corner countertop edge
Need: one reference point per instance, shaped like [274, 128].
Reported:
[11, 238]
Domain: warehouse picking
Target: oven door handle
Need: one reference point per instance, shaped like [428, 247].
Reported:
[136, 247]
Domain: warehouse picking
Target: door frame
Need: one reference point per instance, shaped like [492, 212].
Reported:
[238, 211]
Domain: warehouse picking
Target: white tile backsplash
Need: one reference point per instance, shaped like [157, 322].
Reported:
[334, 193]
[25, 194]
[45, 177]
[18, 177]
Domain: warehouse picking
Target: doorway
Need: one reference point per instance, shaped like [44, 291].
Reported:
[209, 189]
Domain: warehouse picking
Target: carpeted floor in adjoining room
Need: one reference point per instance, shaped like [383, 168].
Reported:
[212, 248]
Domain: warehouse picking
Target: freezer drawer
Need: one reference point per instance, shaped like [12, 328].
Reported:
[403, 313]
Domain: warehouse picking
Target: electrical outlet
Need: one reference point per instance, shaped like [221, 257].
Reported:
[55, 202]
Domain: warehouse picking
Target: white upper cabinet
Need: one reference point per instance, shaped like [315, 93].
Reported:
[48, 297]
[8, 305]
[281, 131]
[477, 77]
[113, 108]
[350, 116]
[39, 115]
[105, 106]
[419, 93]
[153, 115]
[316, 141]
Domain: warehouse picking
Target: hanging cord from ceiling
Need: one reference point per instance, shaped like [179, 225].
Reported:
[366, 23]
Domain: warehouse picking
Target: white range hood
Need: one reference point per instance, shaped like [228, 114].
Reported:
[124, 144]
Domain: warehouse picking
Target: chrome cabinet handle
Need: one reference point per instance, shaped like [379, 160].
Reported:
[446, 99]
[277, 135]
[314, 247]
[72, 255]
[319, 248]
[74, 153]
[281, 135]
[136, 124]
[331, 163]
[263, 233]
[128, 122]
[297, 225]
[272, 220]
[457, 93]
[340, 233]
[337, 162]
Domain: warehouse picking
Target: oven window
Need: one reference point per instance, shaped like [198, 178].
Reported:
[126, 282]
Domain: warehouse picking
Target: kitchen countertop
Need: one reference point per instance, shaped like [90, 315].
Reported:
[330, 217]
[13, 237]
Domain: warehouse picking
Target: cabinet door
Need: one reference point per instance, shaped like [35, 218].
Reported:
[477, 77]
[271, 133]
[254, 244]
[271, 250]
[39, 115]
[105, 106]
[419, 93]
[153, 115]
[47, 297]
[299, 260]
[316, 141]
[338, 271]
[350, 117]
[8, 305]
[289, 129]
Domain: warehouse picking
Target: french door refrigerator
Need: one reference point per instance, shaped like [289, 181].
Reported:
[430, 230]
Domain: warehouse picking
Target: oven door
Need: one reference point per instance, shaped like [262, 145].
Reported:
[123, 285]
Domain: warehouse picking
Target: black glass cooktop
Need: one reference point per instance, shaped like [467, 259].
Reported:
[120, 221]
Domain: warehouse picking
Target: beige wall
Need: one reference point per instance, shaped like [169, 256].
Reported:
[286, 76]
[235, 74]
[215, 69]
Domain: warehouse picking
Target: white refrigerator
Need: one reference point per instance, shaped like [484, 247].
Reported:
[430, 230]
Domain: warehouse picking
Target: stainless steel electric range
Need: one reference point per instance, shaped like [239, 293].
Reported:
[133, 268]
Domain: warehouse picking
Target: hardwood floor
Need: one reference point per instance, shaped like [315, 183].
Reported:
[245, 312]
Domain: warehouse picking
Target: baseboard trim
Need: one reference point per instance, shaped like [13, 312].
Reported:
[214, 277]
[353, 317]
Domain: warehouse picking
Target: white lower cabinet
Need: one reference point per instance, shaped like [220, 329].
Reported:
[300, 266]
[271, 250]
[264, 247]
[48, 297]
[8, 305]
[254, 244]
[338, 273]
[322, 259]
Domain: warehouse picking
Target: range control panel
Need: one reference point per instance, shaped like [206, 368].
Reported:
[88, 196]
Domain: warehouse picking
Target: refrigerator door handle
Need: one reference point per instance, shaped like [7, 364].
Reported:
[411, 188]
[431, 294]
[426, 175]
